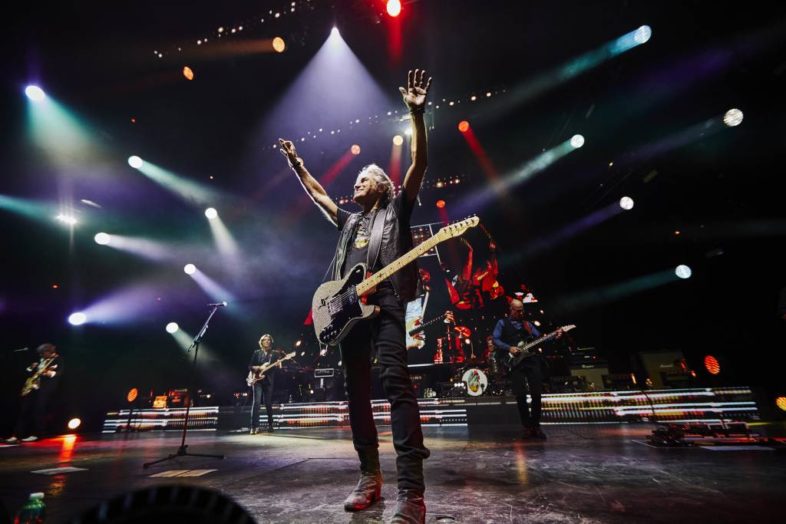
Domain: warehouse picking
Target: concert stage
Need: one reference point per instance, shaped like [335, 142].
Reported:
[666, 405]
[582, 473]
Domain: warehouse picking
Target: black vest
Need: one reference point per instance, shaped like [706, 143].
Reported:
[385, 247]
[513, 336]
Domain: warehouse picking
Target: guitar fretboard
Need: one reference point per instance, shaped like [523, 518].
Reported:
[377, 278]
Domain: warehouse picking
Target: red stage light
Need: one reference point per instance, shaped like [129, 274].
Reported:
[463, 126]
[712, 365]
[393, 7]
[441, 204]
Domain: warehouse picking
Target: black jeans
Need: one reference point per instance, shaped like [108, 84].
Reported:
[385, 334]
[531, 372]
[33, 411]
[262, 389]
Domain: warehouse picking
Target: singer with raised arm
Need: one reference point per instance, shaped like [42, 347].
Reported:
[261, 379]
[377, 235]
[37, 392]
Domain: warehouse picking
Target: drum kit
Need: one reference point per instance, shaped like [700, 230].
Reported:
[474, 375]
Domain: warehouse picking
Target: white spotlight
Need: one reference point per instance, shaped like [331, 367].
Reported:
[211, 213]
[77, 319]
[577, 141]
[66, 219]
[190, 269]
[135, 162]
[626, 203]
[172, 328]
[733, 117]
[35, 93]
[334, 32]
[642, 34]
[408, 131]
[683, 271]
[101, 238]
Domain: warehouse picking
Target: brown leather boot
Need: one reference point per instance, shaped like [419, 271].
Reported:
[410, 508]
[369, 486]
[365, 493]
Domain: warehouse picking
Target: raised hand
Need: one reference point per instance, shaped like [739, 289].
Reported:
[417, 88]
[288, 150]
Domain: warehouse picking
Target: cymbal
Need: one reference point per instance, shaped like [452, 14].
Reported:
[464, 331]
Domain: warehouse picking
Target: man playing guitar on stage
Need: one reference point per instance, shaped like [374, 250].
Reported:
[36, 393]
[262, 388]
[508, 333]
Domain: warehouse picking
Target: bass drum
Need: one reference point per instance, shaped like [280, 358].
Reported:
[476, 380]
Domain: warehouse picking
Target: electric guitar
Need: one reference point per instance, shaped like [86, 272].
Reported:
[33, 382]
[339, 304]
[257, 373]
[424, 325]
[525, 348]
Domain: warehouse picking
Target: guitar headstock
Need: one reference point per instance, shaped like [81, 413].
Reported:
[290, 355]
[565, 329]
[457, 229]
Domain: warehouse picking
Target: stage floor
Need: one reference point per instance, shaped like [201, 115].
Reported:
[582, 473]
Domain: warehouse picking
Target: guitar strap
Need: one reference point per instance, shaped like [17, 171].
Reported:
[375, 244]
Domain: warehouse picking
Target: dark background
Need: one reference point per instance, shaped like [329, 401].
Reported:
[718, 188]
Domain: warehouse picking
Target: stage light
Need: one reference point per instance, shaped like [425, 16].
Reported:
[298, 342]
[172, 328]
[66, 219]
[398, 140]
[74, 423]
[642, 34]
[463, 126]
[211, 213]
[355, 149]
[35, 93]
[408, 132]
[683, 271]
[440, 204]
[781, 403]
[101, 238]
[393, 7]
[279, 45]
[77, 319]
[334, 32]
[733, 117]
[135, 162]
[132, 395]
[712, 365]
[190, 269]
[577, 141]
[626, 203]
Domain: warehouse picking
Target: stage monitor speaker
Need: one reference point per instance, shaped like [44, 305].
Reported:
[660, 364]
[592, 375]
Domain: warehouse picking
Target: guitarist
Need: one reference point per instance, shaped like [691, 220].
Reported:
[507, 334]
[37, 392]
[378, 235]
[263, 389]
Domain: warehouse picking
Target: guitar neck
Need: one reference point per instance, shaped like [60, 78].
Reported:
[377, 278]
[426, 324]
[539, 341]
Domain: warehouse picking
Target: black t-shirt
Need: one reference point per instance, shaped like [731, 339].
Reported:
[357, 251]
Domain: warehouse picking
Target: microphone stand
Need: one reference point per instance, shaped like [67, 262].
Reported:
[182, 451]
